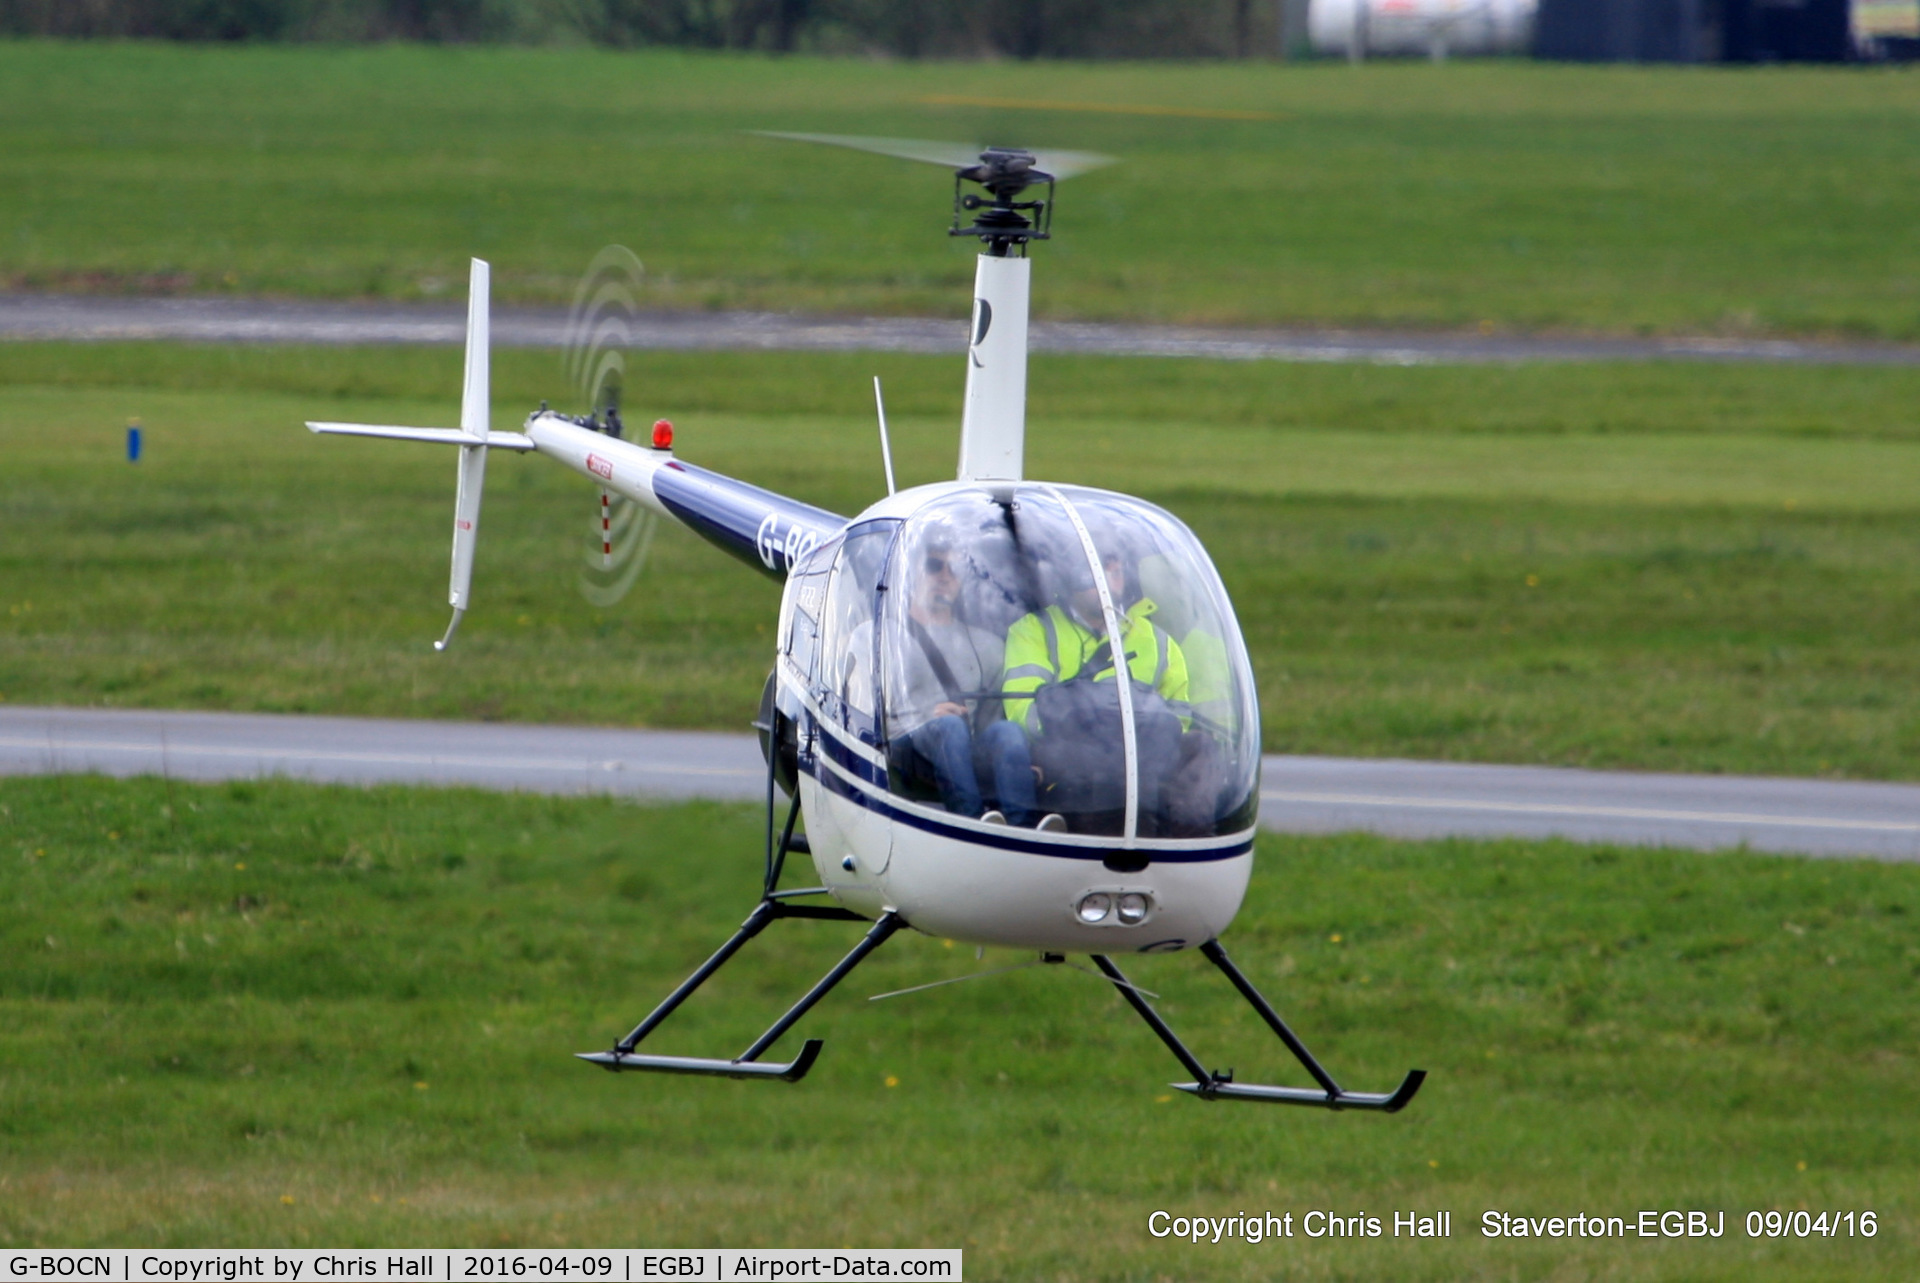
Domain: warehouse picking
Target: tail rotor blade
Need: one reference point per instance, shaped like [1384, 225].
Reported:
[599, 329]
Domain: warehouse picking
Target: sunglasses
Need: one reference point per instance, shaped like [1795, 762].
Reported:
[939, 566]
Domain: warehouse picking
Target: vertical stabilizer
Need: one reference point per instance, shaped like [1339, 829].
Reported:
[474, 423]
[993, 432]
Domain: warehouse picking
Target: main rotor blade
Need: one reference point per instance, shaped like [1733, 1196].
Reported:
[1067, 164]
[1061, 164]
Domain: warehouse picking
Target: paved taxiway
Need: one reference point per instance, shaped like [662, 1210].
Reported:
[1299, 794]
[240, 320]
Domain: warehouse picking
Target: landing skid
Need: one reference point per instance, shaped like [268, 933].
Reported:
[1207, 1084]
[1219, 1084]
[747, 1064]
[773, 906]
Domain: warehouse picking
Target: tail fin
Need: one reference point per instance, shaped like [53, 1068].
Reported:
[474, 437]
[475, 425]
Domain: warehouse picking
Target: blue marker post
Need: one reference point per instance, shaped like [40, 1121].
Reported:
[133, 441]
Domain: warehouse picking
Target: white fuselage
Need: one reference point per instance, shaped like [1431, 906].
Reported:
[959, 889]
[949, 876]
[969, 880]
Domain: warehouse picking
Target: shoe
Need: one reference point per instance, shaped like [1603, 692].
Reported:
[1055, 823]
[993, 817]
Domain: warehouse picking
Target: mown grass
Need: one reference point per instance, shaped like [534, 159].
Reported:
[1675, 567]
[214, 999]
[1517, 195]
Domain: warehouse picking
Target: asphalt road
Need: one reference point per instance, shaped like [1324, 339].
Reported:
[239, 320]
[1298, 794]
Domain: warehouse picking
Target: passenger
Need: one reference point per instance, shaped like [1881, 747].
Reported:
[1048, 649]
[945, 666]
[1181, 614]
[1194, 797]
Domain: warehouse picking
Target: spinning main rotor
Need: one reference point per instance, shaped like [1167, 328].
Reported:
[1001, 220]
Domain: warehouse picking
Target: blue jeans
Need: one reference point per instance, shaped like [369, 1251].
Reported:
[958, 761]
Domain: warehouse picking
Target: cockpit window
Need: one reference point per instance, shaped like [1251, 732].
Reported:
[805, 602]
[845, 683]
[997, 643]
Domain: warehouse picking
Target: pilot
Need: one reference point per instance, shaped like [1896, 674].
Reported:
[1069, 639]
[945, 666]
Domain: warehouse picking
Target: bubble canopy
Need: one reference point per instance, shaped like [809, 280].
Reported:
[972, 645]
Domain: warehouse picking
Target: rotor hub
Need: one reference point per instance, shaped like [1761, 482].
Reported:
[1001, 220]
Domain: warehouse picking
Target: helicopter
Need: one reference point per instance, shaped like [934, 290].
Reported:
[1052, 811]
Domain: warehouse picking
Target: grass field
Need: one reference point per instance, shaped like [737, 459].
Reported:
[1519, 196]
[278, 1014]
[281, 1014]
[1676, 567]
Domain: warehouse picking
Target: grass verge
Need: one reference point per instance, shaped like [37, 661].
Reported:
[1671, 567]
[275, 1013]
[1503, 193]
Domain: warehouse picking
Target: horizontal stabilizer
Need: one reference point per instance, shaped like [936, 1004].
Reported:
[440, 436]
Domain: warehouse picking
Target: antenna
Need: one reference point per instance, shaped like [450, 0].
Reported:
[886, 449]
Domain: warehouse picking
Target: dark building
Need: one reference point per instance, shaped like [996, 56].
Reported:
[1694, 30]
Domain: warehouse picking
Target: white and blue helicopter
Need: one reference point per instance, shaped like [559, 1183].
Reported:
[956, 774]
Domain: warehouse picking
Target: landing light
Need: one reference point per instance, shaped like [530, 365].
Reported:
[1095, 907]
[662, 435]
[1133, 908]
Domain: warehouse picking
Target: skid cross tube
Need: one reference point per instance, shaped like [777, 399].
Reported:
[1219, 1084]
[747, 1064]
[888, 923]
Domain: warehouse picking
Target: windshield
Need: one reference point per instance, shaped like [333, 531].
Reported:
[998, 631]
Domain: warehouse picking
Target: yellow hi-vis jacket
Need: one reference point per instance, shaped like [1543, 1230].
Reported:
[1052, 646]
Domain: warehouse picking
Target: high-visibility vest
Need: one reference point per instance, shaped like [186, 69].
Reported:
[1051, 646]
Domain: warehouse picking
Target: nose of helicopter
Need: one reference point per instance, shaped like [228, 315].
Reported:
[962, 881]
[1053, 901]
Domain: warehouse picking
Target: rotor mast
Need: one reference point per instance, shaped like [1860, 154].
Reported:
[993, 427]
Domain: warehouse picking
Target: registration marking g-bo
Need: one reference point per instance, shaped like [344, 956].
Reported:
[783, 552]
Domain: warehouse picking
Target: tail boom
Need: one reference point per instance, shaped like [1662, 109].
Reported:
[760, 527]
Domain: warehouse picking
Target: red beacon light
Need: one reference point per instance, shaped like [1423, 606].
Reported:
[662, 435]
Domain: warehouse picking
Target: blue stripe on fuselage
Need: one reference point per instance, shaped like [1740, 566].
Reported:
[831, 747]
[1025, 841]
[768, 531]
